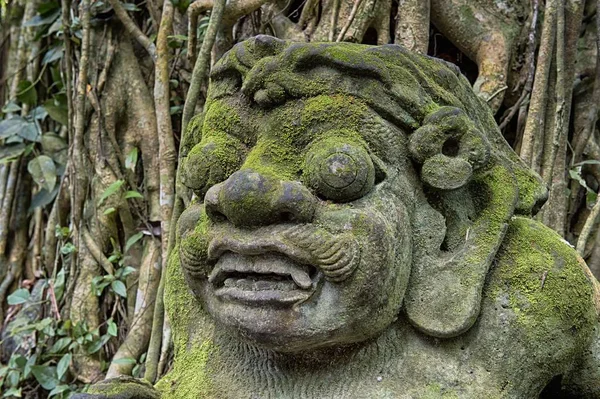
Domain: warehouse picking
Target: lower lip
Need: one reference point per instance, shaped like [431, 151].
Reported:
[263, 297]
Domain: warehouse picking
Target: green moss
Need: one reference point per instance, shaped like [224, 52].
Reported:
[496, 193]
[435, 391]
[548, 288]
[346, 111]
[222, 117]
[189, 378]
[531, 190]
[275, 158]
[212, 160]
[191, 339]
[192, 135]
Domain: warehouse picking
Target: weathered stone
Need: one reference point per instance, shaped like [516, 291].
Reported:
[360, 229]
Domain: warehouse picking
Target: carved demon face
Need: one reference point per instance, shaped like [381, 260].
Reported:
[324, 176]
[300, 233]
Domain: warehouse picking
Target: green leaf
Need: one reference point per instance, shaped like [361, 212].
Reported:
[132, 240]
[11, 107]
[43, 171]
[175, 109]
[60, 344]
[18, 297]
[59, 285]
[26, 92]
[59, 389]
[131, 159]
[11, 151]
[63, 365]
[56, 147]
[39, 113]
[110, 190]
[46, 376]
[590, 199]
[108, 211]
[98, 344]
[13, 377]
[576, 175]
[30, 363]
[21, 361]
[133, 194]
[47, 6]
[12, 392]
[119, 288]
[68, 248]
[112, 327]
[57, 111]
[19, 126]
[55, 53]
[130, 7]
[11, 127]
[43, 197]
[40, 20]
[127, 270]
[43, 324]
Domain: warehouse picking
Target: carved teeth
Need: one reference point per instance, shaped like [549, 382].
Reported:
[301, 278]
[263, 272]
[214, 274]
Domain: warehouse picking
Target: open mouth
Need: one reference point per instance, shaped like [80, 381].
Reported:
[268, 278]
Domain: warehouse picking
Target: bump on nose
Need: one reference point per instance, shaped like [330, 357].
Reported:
[248, 198]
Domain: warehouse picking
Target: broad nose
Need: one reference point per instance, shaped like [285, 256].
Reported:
[248, 198]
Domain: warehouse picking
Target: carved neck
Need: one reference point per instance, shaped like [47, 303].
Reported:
[258, 372]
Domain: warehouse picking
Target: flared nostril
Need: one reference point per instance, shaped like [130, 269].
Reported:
[287, 217]
[212, 204]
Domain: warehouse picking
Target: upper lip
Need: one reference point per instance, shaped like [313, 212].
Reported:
[218, 247]
[299, 270]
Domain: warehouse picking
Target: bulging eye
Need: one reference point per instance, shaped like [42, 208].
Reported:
[338, 170]
[210, 162]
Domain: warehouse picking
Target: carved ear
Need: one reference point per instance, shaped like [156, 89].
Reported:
[477, 196]
[190, 138]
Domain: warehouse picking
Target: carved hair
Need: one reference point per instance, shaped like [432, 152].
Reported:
[454, 143]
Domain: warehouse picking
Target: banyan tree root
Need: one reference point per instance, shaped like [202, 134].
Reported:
[138, 336]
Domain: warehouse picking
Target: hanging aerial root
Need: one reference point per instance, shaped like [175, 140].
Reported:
[5, 212]
[412, 29]
[168, 158]
[138, 336]
[133, 29]
[355, 8]
[201, 66]
[534, 127]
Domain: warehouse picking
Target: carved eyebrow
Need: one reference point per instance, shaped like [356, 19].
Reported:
[317, 57]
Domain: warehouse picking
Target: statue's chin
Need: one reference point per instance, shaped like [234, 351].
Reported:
[287, 329]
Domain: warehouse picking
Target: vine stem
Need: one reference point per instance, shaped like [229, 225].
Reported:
[202, 63]
[167, 156]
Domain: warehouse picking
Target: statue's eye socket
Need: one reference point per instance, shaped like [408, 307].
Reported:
[339, 171]
[210, 162]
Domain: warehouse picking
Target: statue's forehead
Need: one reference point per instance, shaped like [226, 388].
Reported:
[301, 121]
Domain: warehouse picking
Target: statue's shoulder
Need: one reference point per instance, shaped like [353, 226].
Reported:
[544, 281]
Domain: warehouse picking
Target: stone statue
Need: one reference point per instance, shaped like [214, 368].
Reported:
[359, 228]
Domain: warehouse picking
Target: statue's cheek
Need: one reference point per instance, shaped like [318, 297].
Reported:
[193, 241]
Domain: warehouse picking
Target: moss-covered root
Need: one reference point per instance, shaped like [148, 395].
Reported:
[120, 388]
